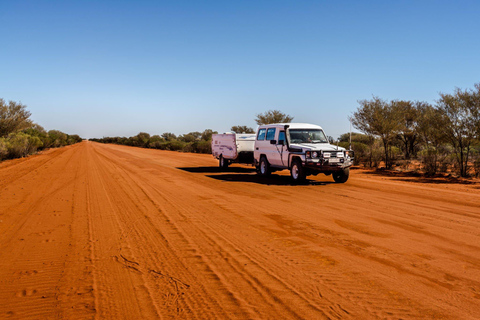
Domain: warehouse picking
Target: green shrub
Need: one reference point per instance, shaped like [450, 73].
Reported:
[203, 146]
[156, 144]
[21, 144]
[3, 148]
[57, 138]
[175, 145]
[74, 138]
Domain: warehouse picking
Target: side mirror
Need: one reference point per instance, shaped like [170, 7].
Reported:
[273, 141]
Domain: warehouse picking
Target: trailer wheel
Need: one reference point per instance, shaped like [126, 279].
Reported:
[222, 162]
[264, 167]
[341, 176]
[297, 171]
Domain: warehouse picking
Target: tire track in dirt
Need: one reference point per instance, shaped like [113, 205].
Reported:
[33, 247]
[123, 233]
[253, 280]
[169, 234]
[22, 168]
[118, 284]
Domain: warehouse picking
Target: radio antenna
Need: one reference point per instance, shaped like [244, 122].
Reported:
[350, 146]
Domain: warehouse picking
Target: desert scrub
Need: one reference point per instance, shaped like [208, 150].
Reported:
[21, 144]
[3, 149]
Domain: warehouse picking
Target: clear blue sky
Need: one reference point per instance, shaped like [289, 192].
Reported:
[115, 68]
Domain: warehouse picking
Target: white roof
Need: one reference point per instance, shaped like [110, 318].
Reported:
[293, 125]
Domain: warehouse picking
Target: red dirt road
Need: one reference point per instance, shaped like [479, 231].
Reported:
[112, 232]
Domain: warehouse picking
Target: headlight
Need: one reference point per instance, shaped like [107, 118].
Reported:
[314, 154]
[339, 154]
[326, 155]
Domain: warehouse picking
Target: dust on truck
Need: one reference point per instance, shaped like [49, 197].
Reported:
[301, 148]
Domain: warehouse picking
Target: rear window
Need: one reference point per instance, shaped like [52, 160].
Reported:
[271, 134]
[261, 134]
[281, 136]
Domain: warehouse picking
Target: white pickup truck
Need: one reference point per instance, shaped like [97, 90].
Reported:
[303, 149]
[299, 147]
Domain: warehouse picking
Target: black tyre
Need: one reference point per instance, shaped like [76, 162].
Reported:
[223, 163]
[297, 171]
[341, 176]
[264, 167]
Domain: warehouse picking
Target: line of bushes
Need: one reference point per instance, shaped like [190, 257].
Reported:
[370, 153]
[444, 137]
[20, 137]
[195, 142]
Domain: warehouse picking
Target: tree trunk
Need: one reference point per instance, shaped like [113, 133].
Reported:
[387, 160]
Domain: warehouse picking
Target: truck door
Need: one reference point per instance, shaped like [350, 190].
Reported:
[278, 150]
[269, 148]
[259, 144]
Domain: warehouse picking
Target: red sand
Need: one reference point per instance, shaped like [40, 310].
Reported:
[113, 232]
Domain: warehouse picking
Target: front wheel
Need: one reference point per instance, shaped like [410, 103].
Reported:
[264, 167]
[222, 162]
[341, 176]
[297, 171]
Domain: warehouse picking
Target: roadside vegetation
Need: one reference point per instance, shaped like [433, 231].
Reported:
[196, 142]
[415, 135]
[400, 134]
[20, 136]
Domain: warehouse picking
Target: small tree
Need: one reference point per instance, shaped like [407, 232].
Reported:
[141, 139]
[407, 134]
[207, 134]
[56, 138]
[272, 116]
[13, 117]
[169, 136]
[362, 144]
[458, 111]
[475, 110]
[190, 137]
[242, 129]
[155, 141]
[377, 117]
[431, 130]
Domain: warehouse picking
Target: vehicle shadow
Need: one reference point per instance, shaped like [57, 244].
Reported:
[242, 174]
[274, 180]
[217, 169]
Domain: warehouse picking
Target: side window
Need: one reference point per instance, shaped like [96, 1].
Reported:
[271, 134]
[281, 136]
[261, 134]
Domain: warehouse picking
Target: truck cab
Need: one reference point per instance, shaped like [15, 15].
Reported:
[302, 148]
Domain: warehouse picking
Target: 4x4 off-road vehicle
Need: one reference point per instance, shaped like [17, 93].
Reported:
[303, 149]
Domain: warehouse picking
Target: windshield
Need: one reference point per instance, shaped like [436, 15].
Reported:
[307, 136]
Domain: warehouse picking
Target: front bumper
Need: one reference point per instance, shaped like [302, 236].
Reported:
[331, 164]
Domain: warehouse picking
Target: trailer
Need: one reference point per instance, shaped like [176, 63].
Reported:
[232, 147]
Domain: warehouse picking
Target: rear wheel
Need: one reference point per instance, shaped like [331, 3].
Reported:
[341, 176]
[297, 171]
[264, 167]
[222, 162]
